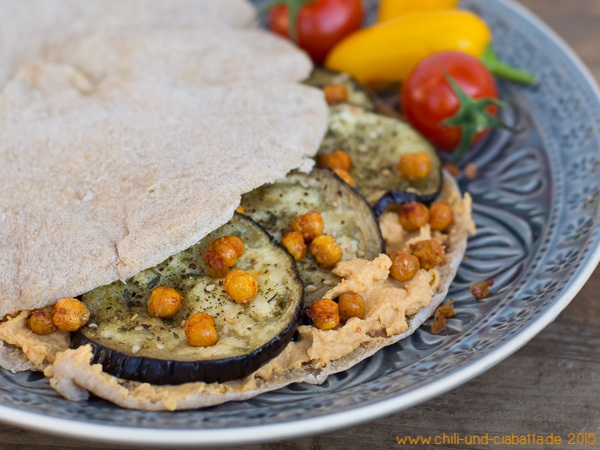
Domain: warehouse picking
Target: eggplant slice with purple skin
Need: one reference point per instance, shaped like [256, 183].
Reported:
[346, 214]
[132, 344]
[376, 143]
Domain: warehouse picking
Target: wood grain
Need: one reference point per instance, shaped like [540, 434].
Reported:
[552, 385]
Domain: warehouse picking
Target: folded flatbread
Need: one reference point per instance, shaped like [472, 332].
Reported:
[102, 179]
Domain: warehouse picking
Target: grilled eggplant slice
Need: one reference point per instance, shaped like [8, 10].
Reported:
[376, 144]
[132, 344]
[347, 217]
[357, 94]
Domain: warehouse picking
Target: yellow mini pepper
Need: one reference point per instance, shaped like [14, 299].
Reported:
[392, 9]
[385, 53]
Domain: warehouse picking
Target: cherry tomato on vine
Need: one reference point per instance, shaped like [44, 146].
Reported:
[452, 99]
[320, 24]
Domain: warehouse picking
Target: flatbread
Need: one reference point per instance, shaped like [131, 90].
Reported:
[13, 359]
[32, 27]
[190, 55]
[97, 186]
[108, 172]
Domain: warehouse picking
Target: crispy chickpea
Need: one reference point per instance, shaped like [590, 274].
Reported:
[351, 305]
[324, 314]
[335, 93]
[404, 266]
[222, 254]
[414, 166]
[430, 253]
[336, 160]
[164, 302]
[40, 322]
[200, 330]
[226, 243]
[241, 286]
[345, 176]
[294, 243]
[69, 314]
[413, 216]
[440, 215]
[217, 265]
[310, 225]
[326, 251]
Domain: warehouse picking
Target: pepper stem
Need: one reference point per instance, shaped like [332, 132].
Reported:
[496, 66]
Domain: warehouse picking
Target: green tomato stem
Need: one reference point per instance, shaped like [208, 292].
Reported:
[472, 117]
[503, 70]
[294, 7]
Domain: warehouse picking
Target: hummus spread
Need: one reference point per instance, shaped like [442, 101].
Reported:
[389, 304]
[39, 350]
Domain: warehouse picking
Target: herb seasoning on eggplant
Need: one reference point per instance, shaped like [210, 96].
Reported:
[346, 215]
[376, 144]
[132, 344]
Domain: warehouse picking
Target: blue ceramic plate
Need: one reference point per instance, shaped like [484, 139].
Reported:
[536, 204]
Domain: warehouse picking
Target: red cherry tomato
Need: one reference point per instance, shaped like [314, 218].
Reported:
[320, 24]
[428, 99]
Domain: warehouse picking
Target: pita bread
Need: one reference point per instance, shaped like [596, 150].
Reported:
[31, 27]
[13, 359]
[97, 186]
[104, 176]
[192, 55]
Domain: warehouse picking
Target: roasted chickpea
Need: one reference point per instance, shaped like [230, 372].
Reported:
[335, 93]
[222, 254]
[294, 243]
[40, 322]
[345, 176]
[226, 243]
[324, 314]
[336, 160]
[430, 253]
[351, 305]
[69, 314]
[310, 225]
[404, 266]
[241, 286]
[414, 166]
[413, 216]
[326, 251]
[164, 302]
[440, 216]
[200, 330]
[217, 265]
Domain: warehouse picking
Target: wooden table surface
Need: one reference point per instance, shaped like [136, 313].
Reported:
[552, 385]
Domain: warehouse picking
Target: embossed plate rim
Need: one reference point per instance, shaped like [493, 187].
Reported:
[338, 420]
